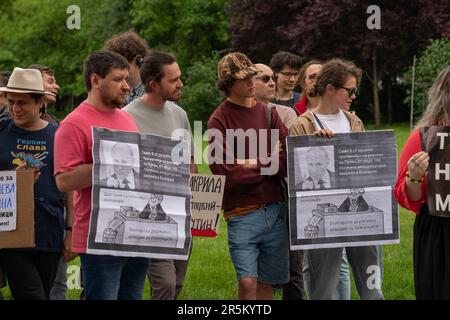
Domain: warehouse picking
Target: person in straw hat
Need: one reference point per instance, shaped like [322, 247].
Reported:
[27, 141]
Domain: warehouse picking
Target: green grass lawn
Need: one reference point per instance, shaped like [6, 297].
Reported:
[211, 274]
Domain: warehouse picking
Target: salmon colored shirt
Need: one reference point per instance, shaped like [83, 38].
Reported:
[73, 147]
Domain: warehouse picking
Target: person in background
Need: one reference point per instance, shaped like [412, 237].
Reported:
[50, 85]
[286, 67]
[4, 114]
[131, 46]
[265, 92]
[307, 80]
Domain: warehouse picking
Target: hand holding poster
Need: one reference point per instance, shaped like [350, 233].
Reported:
[340, 190]
[436, 142]
[206, 203]
[140, 197]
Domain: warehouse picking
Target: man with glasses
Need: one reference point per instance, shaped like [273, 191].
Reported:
[252, 202]
[265, 92]
[286, 67]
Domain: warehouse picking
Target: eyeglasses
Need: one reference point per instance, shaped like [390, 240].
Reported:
[350, 91]
[290, 74]
[266, 78]
[311, 76]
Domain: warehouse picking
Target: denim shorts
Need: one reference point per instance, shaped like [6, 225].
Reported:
[259, 244]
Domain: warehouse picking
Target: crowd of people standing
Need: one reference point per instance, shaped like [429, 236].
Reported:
[132, 88]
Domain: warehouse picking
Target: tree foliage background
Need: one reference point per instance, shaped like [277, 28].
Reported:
[435, 58]
[337, 28]
[199, 32]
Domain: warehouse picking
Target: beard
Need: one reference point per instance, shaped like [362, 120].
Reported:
[170, 96]
[114, 101]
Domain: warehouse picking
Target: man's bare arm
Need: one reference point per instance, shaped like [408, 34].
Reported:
[77, 179]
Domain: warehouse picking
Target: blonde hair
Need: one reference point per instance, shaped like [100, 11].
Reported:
[438, 108]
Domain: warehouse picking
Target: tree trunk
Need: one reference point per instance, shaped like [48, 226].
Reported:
[389, 100]
[376, 99]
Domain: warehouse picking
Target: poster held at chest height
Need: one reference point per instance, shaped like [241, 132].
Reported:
[341, 190]
[140, 196]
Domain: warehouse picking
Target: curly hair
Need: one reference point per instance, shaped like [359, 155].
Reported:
[130, 45]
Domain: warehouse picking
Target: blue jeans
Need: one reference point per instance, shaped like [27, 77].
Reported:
[113, 278]
[259, 244]
[344, 287]
[59, 289]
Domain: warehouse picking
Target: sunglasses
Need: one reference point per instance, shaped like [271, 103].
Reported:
[350, 91]
[266, 78]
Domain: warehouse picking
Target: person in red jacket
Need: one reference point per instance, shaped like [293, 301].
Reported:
[431, 233]
[307, 80]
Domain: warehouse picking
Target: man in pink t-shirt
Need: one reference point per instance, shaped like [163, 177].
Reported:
[105, 74]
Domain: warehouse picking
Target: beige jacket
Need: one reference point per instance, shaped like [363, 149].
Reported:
[305, 124]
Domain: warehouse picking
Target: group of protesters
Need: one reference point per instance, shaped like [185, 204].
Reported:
[132, 88]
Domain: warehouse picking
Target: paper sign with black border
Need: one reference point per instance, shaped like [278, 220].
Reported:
[353, 203]
[152, 219]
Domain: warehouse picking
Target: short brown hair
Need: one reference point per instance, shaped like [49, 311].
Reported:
[5, 74]
[282, 58]
[130, 45]
[302, 74]
[3, 81]
[101, 63]
[42, 69]
[335, 72]
[224, 85]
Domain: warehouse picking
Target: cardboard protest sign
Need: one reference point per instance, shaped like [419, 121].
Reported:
[140, 197]
[17, 209]
[206, 203]
[340, 190]
[436, 142]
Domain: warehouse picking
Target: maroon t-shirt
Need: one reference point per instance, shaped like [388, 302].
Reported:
[244, 186]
